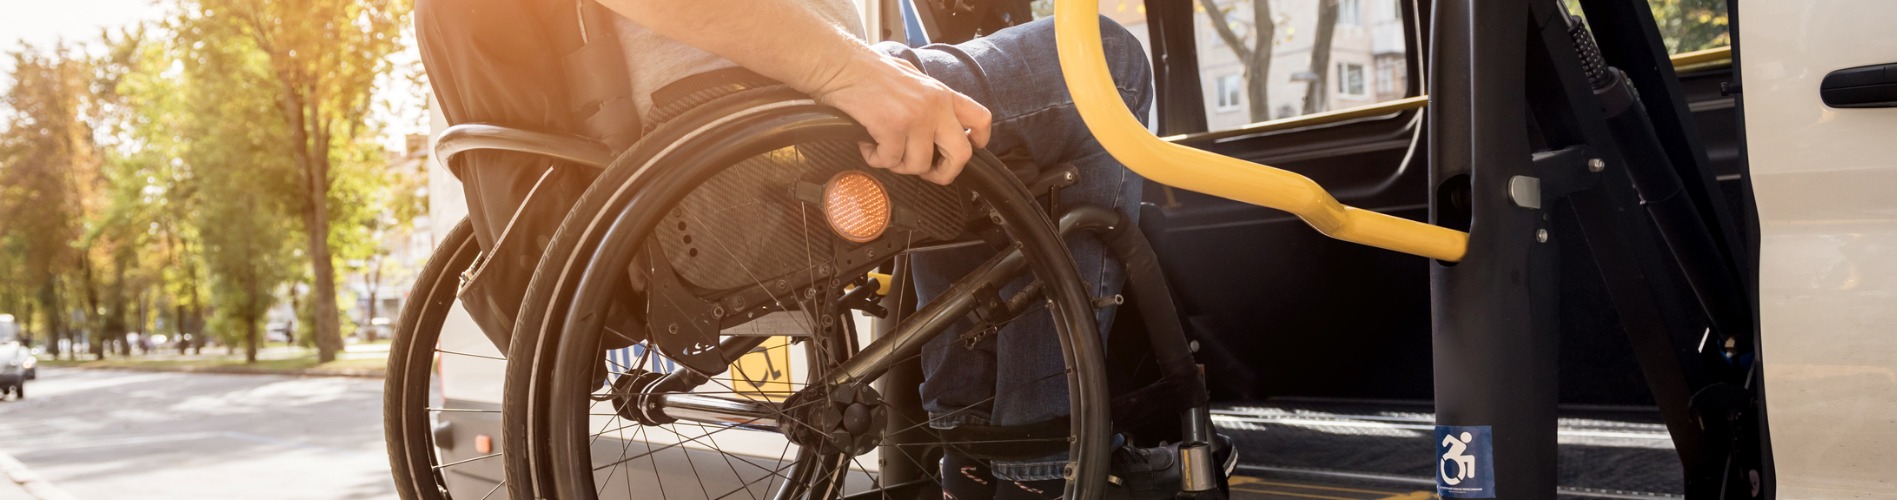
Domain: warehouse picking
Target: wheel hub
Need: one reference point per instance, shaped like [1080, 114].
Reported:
[636, 397]
[846, 419]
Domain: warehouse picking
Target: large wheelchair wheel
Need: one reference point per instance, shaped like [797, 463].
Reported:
[722, 220]
[409, 410]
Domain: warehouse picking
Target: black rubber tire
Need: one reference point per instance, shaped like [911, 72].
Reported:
[520, 431]
[623, 206]
[407, 428]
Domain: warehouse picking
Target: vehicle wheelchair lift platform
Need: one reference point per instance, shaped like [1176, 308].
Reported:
[1294, 448]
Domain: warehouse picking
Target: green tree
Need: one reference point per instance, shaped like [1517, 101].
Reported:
[48, 174]
[1691, 25]
[1685, 25]
[320, 62]
[243, 185]
[151, 201]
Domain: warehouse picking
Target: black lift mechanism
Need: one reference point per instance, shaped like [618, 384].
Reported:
[1535, 116]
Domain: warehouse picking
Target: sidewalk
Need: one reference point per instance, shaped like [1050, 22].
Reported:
[357, 360]
[20, 483]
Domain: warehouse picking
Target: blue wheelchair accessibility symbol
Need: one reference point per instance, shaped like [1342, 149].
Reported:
[1465, 462]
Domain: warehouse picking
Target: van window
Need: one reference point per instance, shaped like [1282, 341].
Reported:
[1686, 25]
[1298, 57]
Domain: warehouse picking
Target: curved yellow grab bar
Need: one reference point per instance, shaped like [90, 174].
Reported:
[1085, 68]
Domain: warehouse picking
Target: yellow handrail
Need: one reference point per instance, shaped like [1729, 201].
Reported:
[1085, 68]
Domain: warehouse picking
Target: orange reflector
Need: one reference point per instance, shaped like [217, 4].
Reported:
[857, 206]
[484, 444]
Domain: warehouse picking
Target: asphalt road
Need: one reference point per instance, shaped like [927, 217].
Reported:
[119, 434]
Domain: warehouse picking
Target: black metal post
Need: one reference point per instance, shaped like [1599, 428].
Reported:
[1494, 335]
[1176, 66]
[912, 455]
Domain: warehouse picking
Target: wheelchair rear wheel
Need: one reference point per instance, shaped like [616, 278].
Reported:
[411, 410]
[739, 261]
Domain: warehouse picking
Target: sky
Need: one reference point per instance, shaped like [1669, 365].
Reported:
[41, 22]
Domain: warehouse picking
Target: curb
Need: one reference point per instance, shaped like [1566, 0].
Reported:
[359, 373]
[35, 486]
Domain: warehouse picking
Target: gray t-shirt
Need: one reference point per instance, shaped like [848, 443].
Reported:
[656, 61]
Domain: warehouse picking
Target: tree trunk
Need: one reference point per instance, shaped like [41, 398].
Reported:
[250, 340]
[178, 327]
[1259, 109]
[1322, 56]
[1257, 60]
[116, 307]
[99, 342]
[323, 287]
[372, 283]
[49, 305]
[296, 310]
[199, 339]
[312, 152]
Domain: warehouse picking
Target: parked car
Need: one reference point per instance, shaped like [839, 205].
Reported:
[279, 331]
[17, 364]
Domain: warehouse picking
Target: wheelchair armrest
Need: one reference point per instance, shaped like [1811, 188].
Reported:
[478, 136]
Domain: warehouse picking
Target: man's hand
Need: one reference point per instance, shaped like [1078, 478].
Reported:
[911, 116]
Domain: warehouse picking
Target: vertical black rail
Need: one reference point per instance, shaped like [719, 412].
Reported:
[1656, 314]
[1632, 43]
[1658, 260]
[1177, 69]
[1494, 332]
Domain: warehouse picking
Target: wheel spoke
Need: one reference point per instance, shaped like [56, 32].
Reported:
[466, 460]
[715, 447]
[469, 354]
[773, 474]
[491, 491]
[826, 329]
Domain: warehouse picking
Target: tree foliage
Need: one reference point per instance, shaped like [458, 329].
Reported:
[49, 177]
[318, 61]
[173, 177]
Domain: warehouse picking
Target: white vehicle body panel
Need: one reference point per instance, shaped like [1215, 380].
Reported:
[1824, 183]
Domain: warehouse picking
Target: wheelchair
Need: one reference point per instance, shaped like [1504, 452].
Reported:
[749, 225]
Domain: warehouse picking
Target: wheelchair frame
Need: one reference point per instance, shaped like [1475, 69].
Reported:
[898, 341]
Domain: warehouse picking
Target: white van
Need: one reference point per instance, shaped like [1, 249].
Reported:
[17, 364]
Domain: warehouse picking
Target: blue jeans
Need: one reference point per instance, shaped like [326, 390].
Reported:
[1015, 377]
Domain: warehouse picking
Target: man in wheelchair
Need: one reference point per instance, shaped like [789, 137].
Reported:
[927, 110]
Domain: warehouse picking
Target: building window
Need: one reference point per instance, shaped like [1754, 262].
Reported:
[1349, 12]
[1352, 79]
[1227, 97]
[1385, 79]
[1366, 33]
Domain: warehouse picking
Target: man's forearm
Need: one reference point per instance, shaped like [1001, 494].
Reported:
[780, 39]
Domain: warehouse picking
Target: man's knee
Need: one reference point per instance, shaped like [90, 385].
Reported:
[1128, 65]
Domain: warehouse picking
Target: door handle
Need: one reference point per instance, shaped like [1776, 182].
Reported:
[1859, 87]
